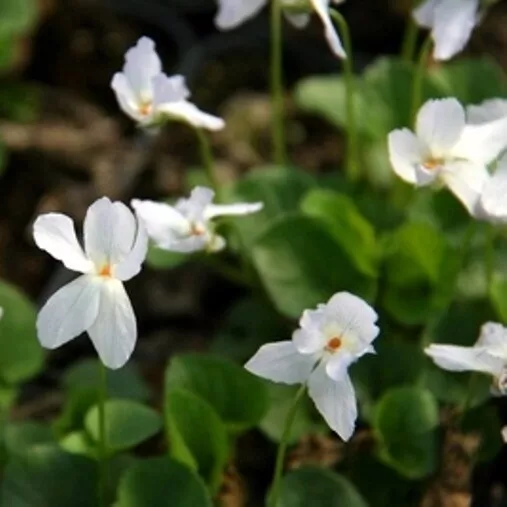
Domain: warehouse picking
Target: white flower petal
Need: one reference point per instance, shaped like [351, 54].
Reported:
[169, 89]
[336, 401]
[194, 207]
[232, 13]
[456, 358]
[494, 337]
[338, 364]
[298, 20]
[125, 96]
[69, 312]
[453, 24]
[142, 64]
[55, 234]
[281, 362]
[494, 193]
[130, 266]
[487, 111]
[310, 339]
[424, 14]
[466, 181]
[114, 331]
[406, 152]
[322, 9]
[482, 143]
[192, 115]
[162, 221]
[440, 123]
[354, 316]
[217, 210]
[109, 231]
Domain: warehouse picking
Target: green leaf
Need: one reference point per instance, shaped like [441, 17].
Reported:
[79, 442]
[21, 438]
[21, 355]
[47, 476]
[459, 79]
[280, 189]
[348, 227]
[238, 397]
[82, 383]
[316, 487]
[404, 421]
[163, 259]
[245, 329]
[127, 424]
[160, 482]
[197, 436]
[498, 296]
[281, 401]
[421, 272]
[16, 16]
[301, 265]
[376, 373]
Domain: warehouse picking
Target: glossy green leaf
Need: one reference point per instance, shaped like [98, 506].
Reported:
[79, 442]
[197, 437]
[127, 424]
[421, 272]
[280, 189]
[161, 482]
[82, 382]
[237, 396]
[316, 487]
[404, 421]
[348, 227]
[21, 355]
[47, 476]
[301, 265]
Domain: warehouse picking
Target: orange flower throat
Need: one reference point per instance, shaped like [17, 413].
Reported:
[334, 344]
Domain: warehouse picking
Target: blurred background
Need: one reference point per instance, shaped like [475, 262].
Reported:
[64, 142]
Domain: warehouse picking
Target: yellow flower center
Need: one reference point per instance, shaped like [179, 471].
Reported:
[334, 344]
[433, 163]
[106, 271]
[145, 108]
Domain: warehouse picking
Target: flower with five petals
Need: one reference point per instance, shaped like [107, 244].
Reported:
[187, 226]
[328, 341]
[150, 97]
[115, 246]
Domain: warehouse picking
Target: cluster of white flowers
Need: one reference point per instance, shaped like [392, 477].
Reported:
[451, 145]
[454, 146]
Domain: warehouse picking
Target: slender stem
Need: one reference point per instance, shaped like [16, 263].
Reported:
[207, 160]
[348, 67]
[102, 437]
[489, 256]
[417, 86]
[274, 497]
[280, 154]
[409, 40]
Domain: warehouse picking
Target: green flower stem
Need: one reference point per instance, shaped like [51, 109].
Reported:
[274, 496]
[409, 40]
[102, 437]
[208, 161]
[278, 131]
[417, 86]
[348, 67]
[489, 256]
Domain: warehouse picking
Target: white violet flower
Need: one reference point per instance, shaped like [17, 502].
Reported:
[186, 226]
[149, 96]
[494, 194]
[447, 148]
[232, 13]
[328, 341]
[488, 355]
[451, 23]
[115, 246]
